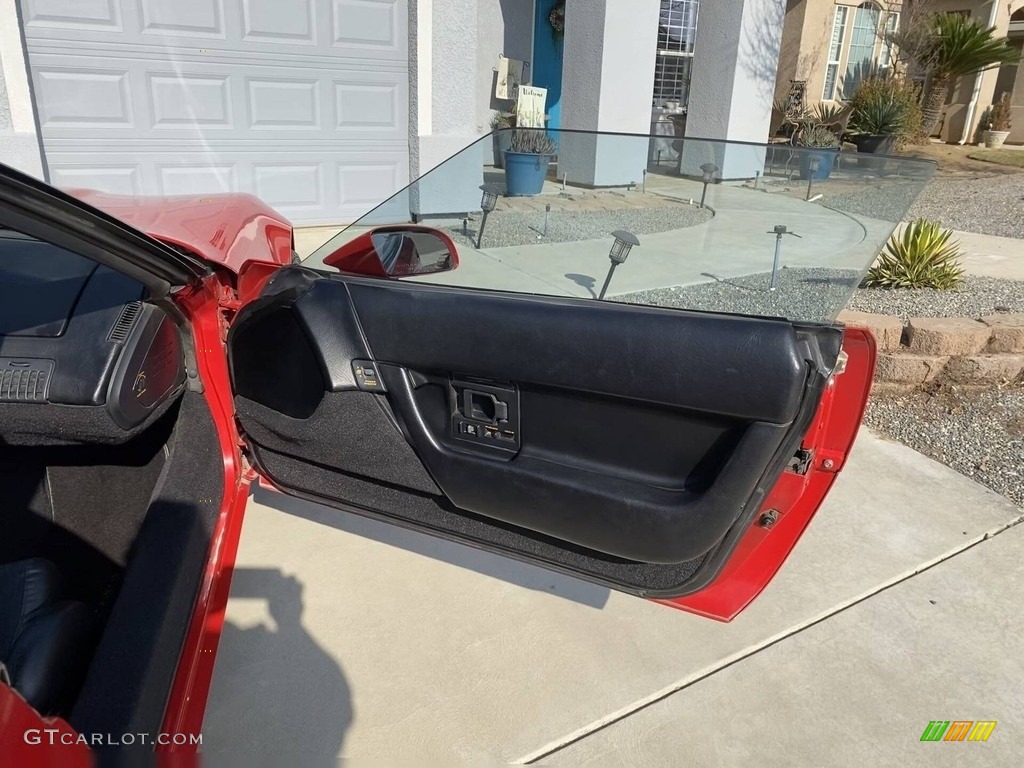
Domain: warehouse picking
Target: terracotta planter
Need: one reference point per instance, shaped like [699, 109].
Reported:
[994, 139]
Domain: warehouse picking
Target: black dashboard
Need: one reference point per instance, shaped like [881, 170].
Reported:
[78, 346]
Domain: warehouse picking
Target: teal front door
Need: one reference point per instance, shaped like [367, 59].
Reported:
[547, 59]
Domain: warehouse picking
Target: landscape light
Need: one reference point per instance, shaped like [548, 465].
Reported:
[709, 178]
[624, 243]
[778, 230]
[487, 203]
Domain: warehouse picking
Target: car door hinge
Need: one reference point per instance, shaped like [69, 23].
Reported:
[801, 461]
[841, 362]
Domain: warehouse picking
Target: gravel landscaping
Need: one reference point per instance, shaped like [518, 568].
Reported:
[991, 205]
[979, 296]
[979, 434]
[802, 294]
[509, 228]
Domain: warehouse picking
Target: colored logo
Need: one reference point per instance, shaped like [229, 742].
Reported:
[958, 730]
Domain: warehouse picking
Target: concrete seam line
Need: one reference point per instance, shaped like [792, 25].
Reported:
[646, 701]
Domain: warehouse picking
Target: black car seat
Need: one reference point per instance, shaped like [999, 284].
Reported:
[45, 641]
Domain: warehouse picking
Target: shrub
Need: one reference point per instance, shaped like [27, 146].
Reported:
[881, 116]
[922, 257]
[999, 114]
[901, 98]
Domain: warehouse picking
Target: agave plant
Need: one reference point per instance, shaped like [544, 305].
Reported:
[817, 137]
[532, 142]
[882, 116]
[957, 46]
[921, 257]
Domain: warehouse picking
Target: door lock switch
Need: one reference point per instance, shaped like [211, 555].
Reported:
[367, 376]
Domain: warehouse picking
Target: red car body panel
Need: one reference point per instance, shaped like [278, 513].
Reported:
[26, 739]
[228, 229]
[794, 498]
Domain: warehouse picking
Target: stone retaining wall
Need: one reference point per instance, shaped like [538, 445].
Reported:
[960, 350]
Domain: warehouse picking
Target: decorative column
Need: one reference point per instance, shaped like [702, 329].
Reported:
[443, 78]
[735, 61]
[610, 47]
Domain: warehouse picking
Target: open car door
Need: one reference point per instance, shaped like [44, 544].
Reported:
[674, 451]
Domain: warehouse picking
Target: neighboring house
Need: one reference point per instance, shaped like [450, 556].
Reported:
[829, 46]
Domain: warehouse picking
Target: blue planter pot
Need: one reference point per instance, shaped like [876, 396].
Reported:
[525, 174]
[826, 159]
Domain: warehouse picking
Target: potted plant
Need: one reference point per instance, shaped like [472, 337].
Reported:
[824, 145]
[526, 162]
[876, 124]
[501, 136]
[998, 123]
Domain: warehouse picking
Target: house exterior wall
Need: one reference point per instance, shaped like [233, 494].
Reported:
[1017, 98]
[503, 27]
[805, 43]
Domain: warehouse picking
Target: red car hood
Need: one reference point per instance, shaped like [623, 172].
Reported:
[228, 229]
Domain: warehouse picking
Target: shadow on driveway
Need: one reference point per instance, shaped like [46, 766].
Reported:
[496, 566]
[277, 681]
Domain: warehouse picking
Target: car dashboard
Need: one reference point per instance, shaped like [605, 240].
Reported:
[82, 357]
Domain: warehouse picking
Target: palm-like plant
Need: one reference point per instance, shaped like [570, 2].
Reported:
[957, 46]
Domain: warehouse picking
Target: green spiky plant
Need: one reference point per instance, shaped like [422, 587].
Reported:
[826, 114]
[921, 257]
[956, 46]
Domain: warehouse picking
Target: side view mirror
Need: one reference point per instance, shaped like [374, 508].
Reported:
[404, 250]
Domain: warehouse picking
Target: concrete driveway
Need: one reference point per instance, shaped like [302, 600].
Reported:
[900, 606]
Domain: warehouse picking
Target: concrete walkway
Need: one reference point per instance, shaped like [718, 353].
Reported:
[351, 637]
[991, 256]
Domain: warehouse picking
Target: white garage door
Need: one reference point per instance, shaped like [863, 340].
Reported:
[303, 103]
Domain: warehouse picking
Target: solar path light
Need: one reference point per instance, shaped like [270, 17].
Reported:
[487, 204]
[624, 243]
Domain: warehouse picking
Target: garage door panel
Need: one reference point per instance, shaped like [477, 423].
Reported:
[189, 101]
[319, 29]
[283, 104]
[78, 15]
[304, 103]
[79, 99]
[279, 22]
[145, 98]
[123, 180]
[305, 184]
[183, 18]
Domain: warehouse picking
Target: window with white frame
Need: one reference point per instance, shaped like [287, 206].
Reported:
[892, 23]
[860, 46]
[677, 30]
[834, 52]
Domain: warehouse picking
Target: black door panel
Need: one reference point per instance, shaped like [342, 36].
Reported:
[622, 442]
